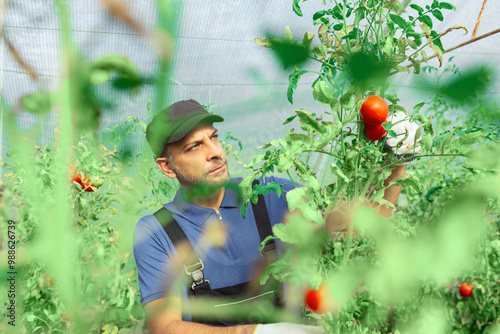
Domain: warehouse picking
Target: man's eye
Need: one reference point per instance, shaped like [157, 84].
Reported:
[194, 146]
[215, 136]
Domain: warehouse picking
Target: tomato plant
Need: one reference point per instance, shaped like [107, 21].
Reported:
[374, 263]
[374, 110]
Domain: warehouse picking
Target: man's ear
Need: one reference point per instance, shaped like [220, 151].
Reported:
[166, 167]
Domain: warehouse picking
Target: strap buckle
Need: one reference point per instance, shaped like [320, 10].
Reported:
[196, 271]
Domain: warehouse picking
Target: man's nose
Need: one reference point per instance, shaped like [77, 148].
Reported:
[214, 150]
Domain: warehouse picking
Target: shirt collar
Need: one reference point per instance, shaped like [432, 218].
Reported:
[197, 214]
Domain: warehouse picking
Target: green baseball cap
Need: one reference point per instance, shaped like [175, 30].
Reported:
[175, 122]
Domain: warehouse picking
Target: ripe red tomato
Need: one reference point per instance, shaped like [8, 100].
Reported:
[87, 186]
[374, 110]
[317, 300]
[374, 132]
[465, 290]
[78, 179]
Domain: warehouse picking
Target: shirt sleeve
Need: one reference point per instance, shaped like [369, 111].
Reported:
[158, 275]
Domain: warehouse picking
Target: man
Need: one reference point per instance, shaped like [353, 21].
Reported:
[187, 148]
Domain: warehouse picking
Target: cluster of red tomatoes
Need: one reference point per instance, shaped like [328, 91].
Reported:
[78, 178]
[374, 112]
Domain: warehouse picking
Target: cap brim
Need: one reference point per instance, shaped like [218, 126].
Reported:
[190, 123]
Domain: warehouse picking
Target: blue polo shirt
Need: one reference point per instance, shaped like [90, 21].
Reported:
[234, 263]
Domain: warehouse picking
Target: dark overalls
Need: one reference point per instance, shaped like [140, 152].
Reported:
[255, 302]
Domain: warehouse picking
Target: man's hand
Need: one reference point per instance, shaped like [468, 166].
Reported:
[339, 220]
[164, 316]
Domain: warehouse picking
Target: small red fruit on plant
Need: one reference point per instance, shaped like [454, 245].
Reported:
[317, 300]
[374, 132]
[87, 186]
[374, 110]
[465, 290]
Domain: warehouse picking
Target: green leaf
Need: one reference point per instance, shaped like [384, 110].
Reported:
[338, 172]
[307, 123]
[286, 233]
[275, 268]
[296, 8]
[446, 5]
[445, 145]
[338, 26]
[347, 100]
[402, 69]
[323, 93]
[464, 144]
[264, 190]
[378, 195]
[307, 40]
[389, 44]
[294, 197]
[393, 134]
[245, 185]
[319, 14]
[311, 213]
[471, 138]
[257, 158]
[262, 41]
[417, 107]
[109, 329]
[286, 159]
[103, 67]
[293, 79]
[419, 9]
[407, 181]
[426, 142]
[468, 84]
[301, 138]
[129, 119]
[438, 52]
[39, 102]
[289, 119]
[398, 20]
[398, 107]
[427, 20]
[289, 53]
[263, 243]
[437, 14]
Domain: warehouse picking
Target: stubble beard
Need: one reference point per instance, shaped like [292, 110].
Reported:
[190, 180]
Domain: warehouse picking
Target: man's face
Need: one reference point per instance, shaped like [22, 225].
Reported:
[199, 158]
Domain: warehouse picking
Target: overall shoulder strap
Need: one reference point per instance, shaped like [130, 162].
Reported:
[170, 225]
[262, 217]
[269, 251]
[194, 270]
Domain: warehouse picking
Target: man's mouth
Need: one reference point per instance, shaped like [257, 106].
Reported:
[218, 169]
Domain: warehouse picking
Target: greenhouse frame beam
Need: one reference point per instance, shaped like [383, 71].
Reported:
[478, 19]
[496, 31]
